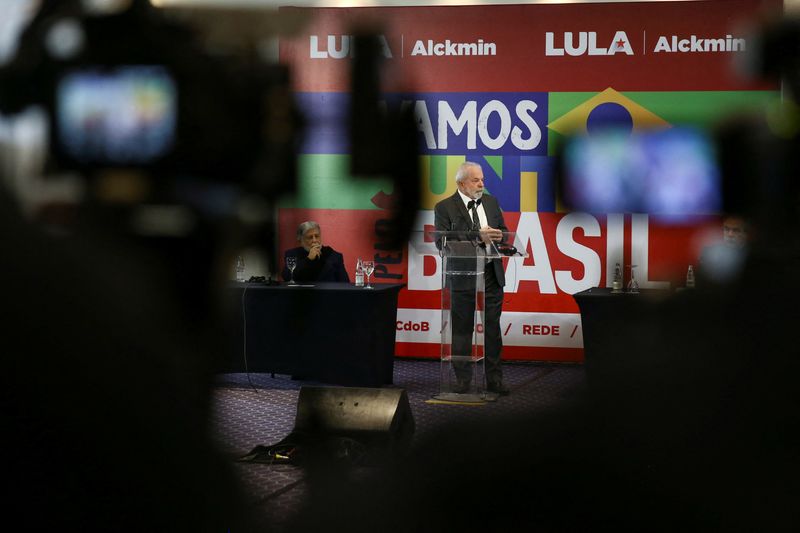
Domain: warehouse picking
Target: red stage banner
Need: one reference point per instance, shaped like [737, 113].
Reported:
[502, 85]
[647, 46]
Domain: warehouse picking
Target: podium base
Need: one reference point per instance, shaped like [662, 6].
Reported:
[466, 398]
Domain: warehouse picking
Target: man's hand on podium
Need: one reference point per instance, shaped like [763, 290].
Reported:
[489, 234]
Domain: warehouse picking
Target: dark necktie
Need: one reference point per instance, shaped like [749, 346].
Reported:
[472, 205]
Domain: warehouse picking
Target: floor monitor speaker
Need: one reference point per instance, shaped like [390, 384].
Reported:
[357, 425]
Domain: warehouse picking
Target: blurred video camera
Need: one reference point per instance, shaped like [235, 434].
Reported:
[670, 173]
[135, 89]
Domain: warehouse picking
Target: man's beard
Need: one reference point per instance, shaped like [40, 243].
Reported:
[477, 195]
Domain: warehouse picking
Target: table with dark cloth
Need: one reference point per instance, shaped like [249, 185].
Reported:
[333, 333]
[617, 327]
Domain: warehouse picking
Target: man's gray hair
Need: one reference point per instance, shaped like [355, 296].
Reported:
[462, 170]
[305, 226]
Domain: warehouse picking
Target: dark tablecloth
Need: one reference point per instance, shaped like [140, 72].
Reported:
[616, 328]
[329, 332]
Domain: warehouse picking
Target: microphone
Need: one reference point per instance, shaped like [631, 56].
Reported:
[507, 249]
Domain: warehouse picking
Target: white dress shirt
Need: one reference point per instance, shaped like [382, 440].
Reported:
[481, 212]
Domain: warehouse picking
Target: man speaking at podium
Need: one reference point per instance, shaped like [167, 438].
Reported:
[469, 209]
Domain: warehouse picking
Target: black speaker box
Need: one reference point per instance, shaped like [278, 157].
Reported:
[357, 425]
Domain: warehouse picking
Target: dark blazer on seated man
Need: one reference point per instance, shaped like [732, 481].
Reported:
[315, 262]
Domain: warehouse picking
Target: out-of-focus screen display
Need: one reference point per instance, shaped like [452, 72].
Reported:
[123, 116]
[671, 172]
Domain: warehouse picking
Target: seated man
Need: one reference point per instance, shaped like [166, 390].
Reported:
[315, 262]
[721, 262]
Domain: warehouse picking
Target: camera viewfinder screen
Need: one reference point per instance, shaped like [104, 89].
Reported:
[124, 116]
[671, 172]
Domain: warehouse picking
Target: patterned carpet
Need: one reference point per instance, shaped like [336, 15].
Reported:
[256, 409]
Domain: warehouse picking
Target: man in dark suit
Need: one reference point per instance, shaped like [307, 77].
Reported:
[470, 210]
[315, 262]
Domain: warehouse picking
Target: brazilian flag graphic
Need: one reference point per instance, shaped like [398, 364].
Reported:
[608, 108]
[580, 113]
[587, 113]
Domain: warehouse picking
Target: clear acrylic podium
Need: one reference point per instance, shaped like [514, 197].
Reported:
[464, 257]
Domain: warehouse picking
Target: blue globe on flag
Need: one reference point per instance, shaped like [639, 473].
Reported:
[609, 115]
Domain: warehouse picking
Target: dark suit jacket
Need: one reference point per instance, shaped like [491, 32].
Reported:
[452, 215]
[329, 266]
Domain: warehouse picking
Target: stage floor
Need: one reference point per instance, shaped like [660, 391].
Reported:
[256, 409]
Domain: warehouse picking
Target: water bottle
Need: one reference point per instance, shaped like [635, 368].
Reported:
[239, 268]
[616, 283]
[690, 278]
[359, 273]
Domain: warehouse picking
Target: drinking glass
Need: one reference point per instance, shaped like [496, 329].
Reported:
[291, 264]
[369, 268]
[633, 285]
